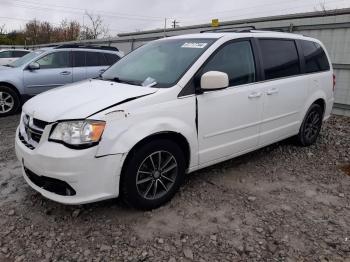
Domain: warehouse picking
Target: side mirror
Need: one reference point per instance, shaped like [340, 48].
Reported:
[214, 80]
[34, 66]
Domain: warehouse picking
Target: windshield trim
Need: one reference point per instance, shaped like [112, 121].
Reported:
[211, 41]
[38, 53]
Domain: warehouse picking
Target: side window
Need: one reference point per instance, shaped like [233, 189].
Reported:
[19, 53]
[95, 59]
[280, 58]
[236, 60]
[54, 60]
[111, 58]
[5, 54]
[315, 57]
[79, 58]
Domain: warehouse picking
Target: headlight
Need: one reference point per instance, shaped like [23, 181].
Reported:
[80, 133]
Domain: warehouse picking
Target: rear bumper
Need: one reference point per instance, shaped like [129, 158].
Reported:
[329, 108]
[51, 167]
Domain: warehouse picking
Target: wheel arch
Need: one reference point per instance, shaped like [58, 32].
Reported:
[322, 103]
[317, 98]
[176, 137]
[12, 86]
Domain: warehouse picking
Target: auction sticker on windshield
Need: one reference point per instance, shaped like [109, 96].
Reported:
[194, 45]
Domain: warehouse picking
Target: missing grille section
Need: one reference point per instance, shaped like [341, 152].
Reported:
[39, 123]
[25, 142]
[53, 185]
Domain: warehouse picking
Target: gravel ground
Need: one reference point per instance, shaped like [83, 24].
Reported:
[281, 203]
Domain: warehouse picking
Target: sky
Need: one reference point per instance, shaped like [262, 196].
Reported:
[134, 15]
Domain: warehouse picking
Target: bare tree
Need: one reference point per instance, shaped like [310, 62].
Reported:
[96, 27]
[67, 31]
[321, 6]
[2, 29]
[32, 31]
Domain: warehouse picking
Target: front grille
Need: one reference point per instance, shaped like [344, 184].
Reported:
[53, 185]
[33, 131]
[39, 123]
[25, 142]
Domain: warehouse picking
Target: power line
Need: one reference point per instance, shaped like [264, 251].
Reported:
[261, 12]
[175, 23]
[55, 24]
[39, 5]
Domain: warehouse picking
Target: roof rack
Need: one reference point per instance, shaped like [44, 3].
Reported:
[230, 29]
[110, 48]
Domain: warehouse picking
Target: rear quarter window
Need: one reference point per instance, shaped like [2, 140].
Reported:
[280, 58]
[95, 59]
[315, 57]
[111, 58]
[5, 54]
[19, 53]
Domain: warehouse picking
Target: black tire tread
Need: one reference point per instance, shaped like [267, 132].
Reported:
[300, 138]
[127, 193]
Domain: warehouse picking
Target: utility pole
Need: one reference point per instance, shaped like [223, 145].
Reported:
[175, 23]
[165, 20]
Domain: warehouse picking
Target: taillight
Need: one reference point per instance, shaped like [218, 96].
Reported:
[334, 82]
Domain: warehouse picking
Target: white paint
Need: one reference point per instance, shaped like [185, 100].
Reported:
[214, 80]
[231, 121]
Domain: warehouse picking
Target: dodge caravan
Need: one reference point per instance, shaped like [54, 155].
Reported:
[169, 108]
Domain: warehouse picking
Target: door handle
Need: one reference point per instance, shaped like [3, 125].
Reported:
[65, 73]
[102, 71]
[272, 91]
[255, 95]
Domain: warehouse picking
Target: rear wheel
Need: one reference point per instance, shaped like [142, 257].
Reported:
[311, 126]
[153, 174]
[9, 101]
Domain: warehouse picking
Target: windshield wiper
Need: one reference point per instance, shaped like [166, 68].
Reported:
[118, 80]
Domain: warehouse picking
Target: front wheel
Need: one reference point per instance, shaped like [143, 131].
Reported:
[153, 174]
[9, 101]
[311, 126]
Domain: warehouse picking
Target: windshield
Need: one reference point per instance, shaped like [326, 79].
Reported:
[25, 59]
[158, 64]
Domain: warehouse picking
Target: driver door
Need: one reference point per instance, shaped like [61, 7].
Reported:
[55, 70]
[229, 119]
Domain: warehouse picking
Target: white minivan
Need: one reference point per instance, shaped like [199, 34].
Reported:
[169, 108]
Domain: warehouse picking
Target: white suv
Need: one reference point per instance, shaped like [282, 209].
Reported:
[7, 56]
[169, 108]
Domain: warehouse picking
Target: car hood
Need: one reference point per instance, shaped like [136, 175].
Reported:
[81, 100]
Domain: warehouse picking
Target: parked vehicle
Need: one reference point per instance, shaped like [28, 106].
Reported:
[169, 108]
[8, 56]
[49, 68]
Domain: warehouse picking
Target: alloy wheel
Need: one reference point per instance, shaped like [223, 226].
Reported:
[156, 175]
[7, 102]
[312, 125]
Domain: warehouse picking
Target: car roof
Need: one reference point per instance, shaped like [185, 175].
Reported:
[46, 49]
[243, 34]
[15, 49]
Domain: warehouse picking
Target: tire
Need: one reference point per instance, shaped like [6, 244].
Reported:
[146, 184]
[311, 126]
[9, 101]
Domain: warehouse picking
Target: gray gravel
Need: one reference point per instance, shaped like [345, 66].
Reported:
[281, 203]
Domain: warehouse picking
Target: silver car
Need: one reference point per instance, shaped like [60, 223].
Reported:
[45, 69]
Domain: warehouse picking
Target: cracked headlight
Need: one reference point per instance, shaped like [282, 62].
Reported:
[78, 134]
